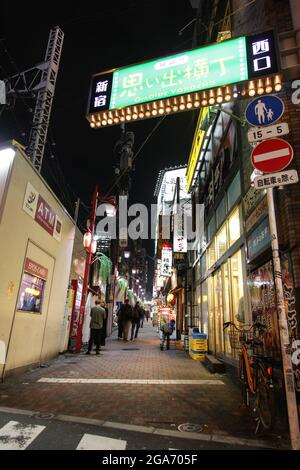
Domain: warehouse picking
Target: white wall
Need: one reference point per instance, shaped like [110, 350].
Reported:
[31, 338]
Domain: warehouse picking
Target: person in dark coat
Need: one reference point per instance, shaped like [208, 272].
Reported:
[147, 315]
[125, 318]
[104, 328]
[98, 315]
[142, 317]
[120, 322]
[136, 321]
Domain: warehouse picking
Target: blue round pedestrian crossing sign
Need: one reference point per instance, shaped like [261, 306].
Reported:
[264, 110]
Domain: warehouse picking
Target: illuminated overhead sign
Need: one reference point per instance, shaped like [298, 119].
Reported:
[195, 70]
[183, 81]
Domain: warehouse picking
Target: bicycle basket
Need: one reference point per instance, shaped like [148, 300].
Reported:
[235, 338]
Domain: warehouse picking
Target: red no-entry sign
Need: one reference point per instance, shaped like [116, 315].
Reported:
[272, 155]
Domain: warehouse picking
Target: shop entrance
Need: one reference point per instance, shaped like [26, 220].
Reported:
[216, 314]
[218, 310]
[30, 318]
[225, 303]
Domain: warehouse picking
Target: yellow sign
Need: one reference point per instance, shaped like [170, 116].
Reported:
[196, 147]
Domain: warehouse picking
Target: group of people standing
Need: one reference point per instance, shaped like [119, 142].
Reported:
[130, 320]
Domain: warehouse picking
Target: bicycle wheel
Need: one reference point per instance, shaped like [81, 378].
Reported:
[264, 394]
[244, 381]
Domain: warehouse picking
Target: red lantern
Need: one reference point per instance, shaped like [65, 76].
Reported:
[87, 239]
[93, 247]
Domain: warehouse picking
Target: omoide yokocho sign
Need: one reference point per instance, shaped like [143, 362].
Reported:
[183, 81]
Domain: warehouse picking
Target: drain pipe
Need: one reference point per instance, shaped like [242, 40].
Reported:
[290, 44]
[295, 14]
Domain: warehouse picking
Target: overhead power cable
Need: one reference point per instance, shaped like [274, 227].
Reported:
[136, 154]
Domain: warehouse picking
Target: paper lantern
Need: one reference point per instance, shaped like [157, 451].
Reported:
[87, 239]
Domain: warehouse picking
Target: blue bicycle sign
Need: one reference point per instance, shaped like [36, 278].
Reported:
[264, 110]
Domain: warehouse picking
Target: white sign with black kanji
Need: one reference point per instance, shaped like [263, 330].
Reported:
[276, 179]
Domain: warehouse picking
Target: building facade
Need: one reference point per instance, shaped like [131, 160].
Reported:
[37, 236]
[231, 266]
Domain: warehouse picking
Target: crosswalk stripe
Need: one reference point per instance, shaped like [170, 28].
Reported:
[132, 381]
[93, 442]
[18, 436]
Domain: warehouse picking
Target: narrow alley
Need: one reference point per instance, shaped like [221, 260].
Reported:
[136, 387]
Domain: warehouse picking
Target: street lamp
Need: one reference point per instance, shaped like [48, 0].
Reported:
[90, 245]
[126, 254]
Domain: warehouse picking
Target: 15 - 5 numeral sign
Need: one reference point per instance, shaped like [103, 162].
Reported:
[256, 134]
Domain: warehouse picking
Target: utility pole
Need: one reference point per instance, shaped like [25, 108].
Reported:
[77, 205]
[38, 81]
[44, 100]
[86, 273]
[283, 330]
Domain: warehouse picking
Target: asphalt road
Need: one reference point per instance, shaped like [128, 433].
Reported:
[21, 432]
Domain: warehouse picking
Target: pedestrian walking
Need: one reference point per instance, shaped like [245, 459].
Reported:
[98, 314]
[167, 330]
[120, 321]
[125, 319]
[142, 316]
[136, 319]
[104, 328]
[147, 315]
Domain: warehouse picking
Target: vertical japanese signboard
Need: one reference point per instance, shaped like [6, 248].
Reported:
[166, 261]
[179, 237]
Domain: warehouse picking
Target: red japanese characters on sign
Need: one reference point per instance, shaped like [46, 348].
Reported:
[45, 216]
[272, 155]
[35, 269]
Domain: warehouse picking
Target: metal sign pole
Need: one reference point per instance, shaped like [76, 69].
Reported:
[283, 330]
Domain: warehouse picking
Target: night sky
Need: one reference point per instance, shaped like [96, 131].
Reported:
[99, 36]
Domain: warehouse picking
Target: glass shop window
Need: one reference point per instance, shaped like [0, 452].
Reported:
[237, 288]
[234, 226]
[221, 212]
[221, 242]
[204, 308]
[203, 264]
[211, 255]
[234, 191]
[31, 293]
[211, 228]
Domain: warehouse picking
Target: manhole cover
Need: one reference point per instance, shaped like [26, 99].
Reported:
[44, 415]
[190, 427]
[131, 349]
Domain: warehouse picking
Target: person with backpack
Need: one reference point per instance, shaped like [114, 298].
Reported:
[167, 329]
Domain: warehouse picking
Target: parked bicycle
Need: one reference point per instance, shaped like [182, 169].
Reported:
[255, 371]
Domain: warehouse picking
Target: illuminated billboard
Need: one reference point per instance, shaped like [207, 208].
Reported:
[180, 82]
[166, 187]
[196, 146]
[195, 70]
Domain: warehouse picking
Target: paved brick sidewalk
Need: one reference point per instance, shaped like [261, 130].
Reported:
[215, 407]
